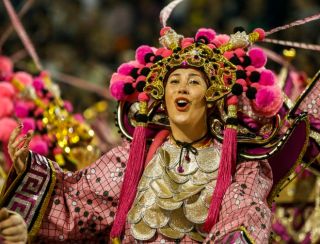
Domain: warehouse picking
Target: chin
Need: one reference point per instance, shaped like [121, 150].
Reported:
[183, 120]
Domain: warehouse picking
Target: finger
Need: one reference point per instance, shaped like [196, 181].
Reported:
[14, 230]
[20, 159]
[20, 153]
[4, 214]
[15, 133]
[19, 141]
[11, 221]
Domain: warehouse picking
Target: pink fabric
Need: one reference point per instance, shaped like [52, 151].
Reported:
[84, 203]
[244, 203]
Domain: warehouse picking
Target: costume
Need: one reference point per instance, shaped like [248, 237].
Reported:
[180, 192]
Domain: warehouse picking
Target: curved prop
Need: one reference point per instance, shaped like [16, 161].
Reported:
[284, 154]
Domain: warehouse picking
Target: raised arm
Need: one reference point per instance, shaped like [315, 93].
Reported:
[58, 205]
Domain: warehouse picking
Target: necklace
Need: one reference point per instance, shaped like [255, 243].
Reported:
[189, 147]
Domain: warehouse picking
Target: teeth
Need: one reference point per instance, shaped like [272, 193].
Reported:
[182, 101]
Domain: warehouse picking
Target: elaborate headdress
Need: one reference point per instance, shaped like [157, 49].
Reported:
[238, 82]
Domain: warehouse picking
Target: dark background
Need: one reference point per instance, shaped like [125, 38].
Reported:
[90, 38]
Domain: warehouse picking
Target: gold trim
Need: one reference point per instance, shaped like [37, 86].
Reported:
[4, 195]
[36, 226]
[276, 189]
[115, 240]
[242, 228]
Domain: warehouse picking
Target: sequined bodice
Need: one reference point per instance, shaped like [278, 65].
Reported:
[175, 204]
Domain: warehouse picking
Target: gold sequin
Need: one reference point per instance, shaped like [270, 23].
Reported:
[171, 203]
[196, 236]
[135, 214]
[168, 204]
[155, 217]
[196, 212]
[142, 231]
[179, 222]
[169, 232]
[161, 189]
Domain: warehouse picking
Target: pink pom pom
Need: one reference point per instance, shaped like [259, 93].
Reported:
[38, 84]
[116, 90]
[143, 97]
[268, 101]
[221, 39]
[38, 145]
[243, 83]
[164, 30]
[6, 68]
[7, 125]
[208, 33]
[79, 117]
[164, 52]
[6, 107]
[233, 100]
[250, 68]
[28, 124]
[258, 57]
[186, 42]
[267, 78]
[6, 90]
[239, 52]
[228, 55]
[126, 68]
[23, 77]
[261, 33]
[21, 109]
[256, 85]
[141, 53]
[68, 106]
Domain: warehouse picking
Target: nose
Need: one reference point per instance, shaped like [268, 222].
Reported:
[183, 89]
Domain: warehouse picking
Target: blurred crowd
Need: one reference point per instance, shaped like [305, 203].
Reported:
[90, 38]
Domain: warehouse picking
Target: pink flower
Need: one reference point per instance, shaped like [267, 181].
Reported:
[79, 117]
[28, 124]
[23, 77]
[6, 107]
[68, 106]
[39, 146]
[21, 109]
[6, 68]
[7, 125]
[6, 90]
[38, 84]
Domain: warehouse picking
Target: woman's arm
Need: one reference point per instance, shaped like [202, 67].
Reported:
[58, 205]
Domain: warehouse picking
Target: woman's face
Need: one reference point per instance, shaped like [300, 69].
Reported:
[185, 97]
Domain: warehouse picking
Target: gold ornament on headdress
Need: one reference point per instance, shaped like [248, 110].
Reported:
[220, 72]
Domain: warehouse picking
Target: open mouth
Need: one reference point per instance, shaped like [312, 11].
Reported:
[182, 104]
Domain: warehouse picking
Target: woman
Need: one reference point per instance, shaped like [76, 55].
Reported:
[190, 187]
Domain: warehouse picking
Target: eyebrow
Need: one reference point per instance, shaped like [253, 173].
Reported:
[192, 74]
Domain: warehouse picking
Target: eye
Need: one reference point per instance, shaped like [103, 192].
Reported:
[174, 81]
[194, 82]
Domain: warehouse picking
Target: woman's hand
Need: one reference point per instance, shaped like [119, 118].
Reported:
[18, 148]
[13, 228]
